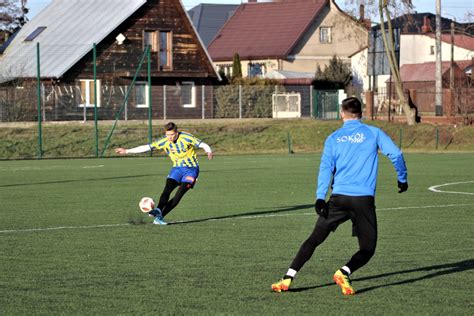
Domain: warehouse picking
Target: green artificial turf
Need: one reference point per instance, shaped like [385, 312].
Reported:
[74, 242]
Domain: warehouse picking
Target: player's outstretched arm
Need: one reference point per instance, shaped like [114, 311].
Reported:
[121, 151]
[207, 149]
[136, 150]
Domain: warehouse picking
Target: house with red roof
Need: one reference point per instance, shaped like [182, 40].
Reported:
[423, 75]
[293, 36]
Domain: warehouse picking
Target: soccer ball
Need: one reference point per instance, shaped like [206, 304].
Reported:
[146, 204]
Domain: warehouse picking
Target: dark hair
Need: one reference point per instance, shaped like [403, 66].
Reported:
[352, 105]
[171, 127]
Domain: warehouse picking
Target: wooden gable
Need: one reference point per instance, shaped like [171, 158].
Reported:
[189, 59]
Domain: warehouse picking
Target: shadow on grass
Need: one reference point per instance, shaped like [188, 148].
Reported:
[244, 215]
[110, 178]
[437, 270]
[79, 180]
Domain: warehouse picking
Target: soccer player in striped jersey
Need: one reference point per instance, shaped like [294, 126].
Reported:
[180, 147]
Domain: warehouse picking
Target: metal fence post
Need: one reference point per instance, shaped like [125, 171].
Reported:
[84, 109]
[437, 137]
[290, 150]
[150, 128]
[276, 104]
[400, 138]
[164, 102]
[38, 86]
[240, 101]
[125, 111]
[203, 100]
[96, 128]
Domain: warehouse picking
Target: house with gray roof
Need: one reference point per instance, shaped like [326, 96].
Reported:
[63, 36]
[209, 18]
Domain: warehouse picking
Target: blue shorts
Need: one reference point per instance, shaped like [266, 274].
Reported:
[184, 174]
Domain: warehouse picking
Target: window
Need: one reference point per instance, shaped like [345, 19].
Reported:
[188, 95]
[226, 69]
[256, 69]
[87, 93]
[141, 95]
[432, 50]
[325, 35]
[35, 33]
[149, 38]
[160, 42]
[165, 50]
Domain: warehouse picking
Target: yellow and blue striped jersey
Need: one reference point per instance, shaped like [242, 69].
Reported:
[181, 151]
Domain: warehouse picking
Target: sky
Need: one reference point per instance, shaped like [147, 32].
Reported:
[451, 9]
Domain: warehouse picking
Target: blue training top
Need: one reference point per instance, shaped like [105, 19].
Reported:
[350, 156]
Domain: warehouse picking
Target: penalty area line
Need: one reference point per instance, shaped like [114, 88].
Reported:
[434, 188]
[216, 219]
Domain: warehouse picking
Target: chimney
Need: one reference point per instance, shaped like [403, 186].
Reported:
[426, 28]
[361, 12]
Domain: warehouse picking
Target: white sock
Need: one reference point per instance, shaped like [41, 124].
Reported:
[291, 273]
[345, 268]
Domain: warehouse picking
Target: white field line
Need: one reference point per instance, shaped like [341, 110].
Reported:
[216, 219]
[42, 168]
[59, 228]
[434, 188]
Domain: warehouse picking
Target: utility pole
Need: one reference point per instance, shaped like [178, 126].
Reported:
[438, 85]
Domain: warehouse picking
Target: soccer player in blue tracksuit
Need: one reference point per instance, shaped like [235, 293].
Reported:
[179, 146]
[349, 165]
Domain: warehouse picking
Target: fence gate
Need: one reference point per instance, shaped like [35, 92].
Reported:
[326, 104]
[286, 105]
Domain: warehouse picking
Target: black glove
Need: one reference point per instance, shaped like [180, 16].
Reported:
[321, 208]
[402, 186]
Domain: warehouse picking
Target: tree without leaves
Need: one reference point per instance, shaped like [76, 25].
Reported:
[385, 9]
[389, 44]
[12, 15]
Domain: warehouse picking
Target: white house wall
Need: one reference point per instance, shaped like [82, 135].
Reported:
[416, 49]
[360, 79]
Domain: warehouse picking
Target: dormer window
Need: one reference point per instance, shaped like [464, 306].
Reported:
[35, 33]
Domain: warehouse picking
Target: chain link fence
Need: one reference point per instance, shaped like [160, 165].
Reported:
[75, 102]
[458, 103]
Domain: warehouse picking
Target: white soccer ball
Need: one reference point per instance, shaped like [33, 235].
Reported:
[146, 204]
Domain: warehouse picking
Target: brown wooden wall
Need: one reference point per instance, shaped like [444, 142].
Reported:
[61, 103]
[114, 60]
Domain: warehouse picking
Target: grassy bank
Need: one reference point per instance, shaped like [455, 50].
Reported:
[246, 136]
